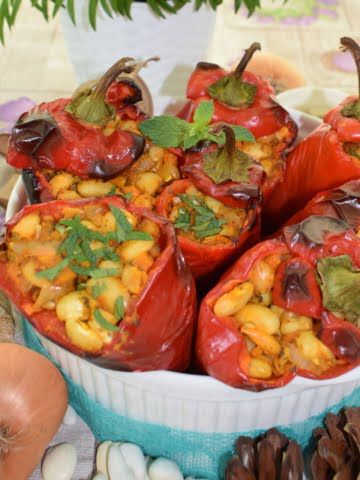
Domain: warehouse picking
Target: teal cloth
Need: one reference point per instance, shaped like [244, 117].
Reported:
[198, 454]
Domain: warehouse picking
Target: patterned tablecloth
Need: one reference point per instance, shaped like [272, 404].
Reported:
[35, 63]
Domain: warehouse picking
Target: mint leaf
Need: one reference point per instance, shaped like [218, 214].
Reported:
[124, 230]
[242, 134]
[119, 308]
[204, 112]
[53, 272]
[101, 320]
[165, 131]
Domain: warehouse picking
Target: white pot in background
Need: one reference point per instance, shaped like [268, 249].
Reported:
[180, 40]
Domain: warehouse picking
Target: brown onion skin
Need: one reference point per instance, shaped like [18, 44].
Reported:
[33, 402]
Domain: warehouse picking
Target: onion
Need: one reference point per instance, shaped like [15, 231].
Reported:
[33, 402]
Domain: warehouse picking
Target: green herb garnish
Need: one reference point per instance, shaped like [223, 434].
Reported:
[352, 149]
[204, 222]
[111, 192]
[340, 285]
[98, 289]
[127, 196]
[231, 89]
[167, 131]
[101, 320]
[53, 272]
[94, 272]
[119, 310]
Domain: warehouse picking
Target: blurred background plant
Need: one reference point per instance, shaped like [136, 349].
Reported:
[50, 8]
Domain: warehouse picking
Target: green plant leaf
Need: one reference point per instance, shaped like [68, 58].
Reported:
[165, 131]
[57, 5]
[71, 10]
[242, 134]
[93, 5]
[155, 7]
[204, 112]
[101, 320]
[106, 7]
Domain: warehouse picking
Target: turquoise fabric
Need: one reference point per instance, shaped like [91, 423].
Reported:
[198, 454]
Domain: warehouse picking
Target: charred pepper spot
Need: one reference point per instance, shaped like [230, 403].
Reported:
[314, 230]
[31, 185]
[207, 66]
[347, 344]
[32, 131]
[346, 202]
[107, 169]
[295, 285]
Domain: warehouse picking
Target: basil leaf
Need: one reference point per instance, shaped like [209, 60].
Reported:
[101, 320]
[53, 272]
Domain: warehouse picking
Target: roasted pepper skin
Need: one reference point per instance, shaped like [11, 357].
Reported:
[154, 335]
[263, 117]
[233, 194]
[205, 259]
[49, 137]
[220, 348]
[317, 163]
[342, 202]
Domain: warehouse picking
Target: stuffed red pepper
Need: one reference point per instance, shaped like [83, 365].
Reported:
[342, 202]
[327, 158]
[289, 306]
[86, 273]
[93, 134]
[210, 233]
[242, 98]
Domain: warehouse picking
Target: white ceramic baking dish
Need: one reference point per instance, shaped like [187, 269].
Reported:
[194, 402]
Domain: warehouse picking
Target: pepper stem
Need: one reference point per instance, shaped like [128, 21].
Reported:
[246, 59]
[229, 140]
[110, 76]
[349, 45]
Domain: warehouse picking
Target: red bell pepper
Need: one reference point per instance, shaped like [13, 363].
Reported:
[235, 179]
[201, 257]
[152, 334]
[327, 158]
[321, 247]
[82, 135]
[342, 202]
[242, 98]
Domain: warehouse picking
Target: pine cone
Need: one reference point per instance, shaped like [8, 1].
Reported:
[268, 457]
[337, 456]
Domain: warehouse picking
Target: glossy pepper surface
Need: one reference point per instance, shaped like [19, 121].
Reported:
[156, 331]
[305, 252]
[203, 258]
[327, 158]
[242, 98]
[85, 135]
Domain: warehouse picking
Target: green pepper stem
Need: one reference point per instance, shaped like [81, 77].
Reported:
[349, 45]
[246, 59]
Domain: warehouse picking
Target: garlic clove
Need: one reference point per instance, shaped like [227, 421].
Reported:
[116, 466]
[59, 462]
[164, 469]
[135, 459]
[101, 458]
